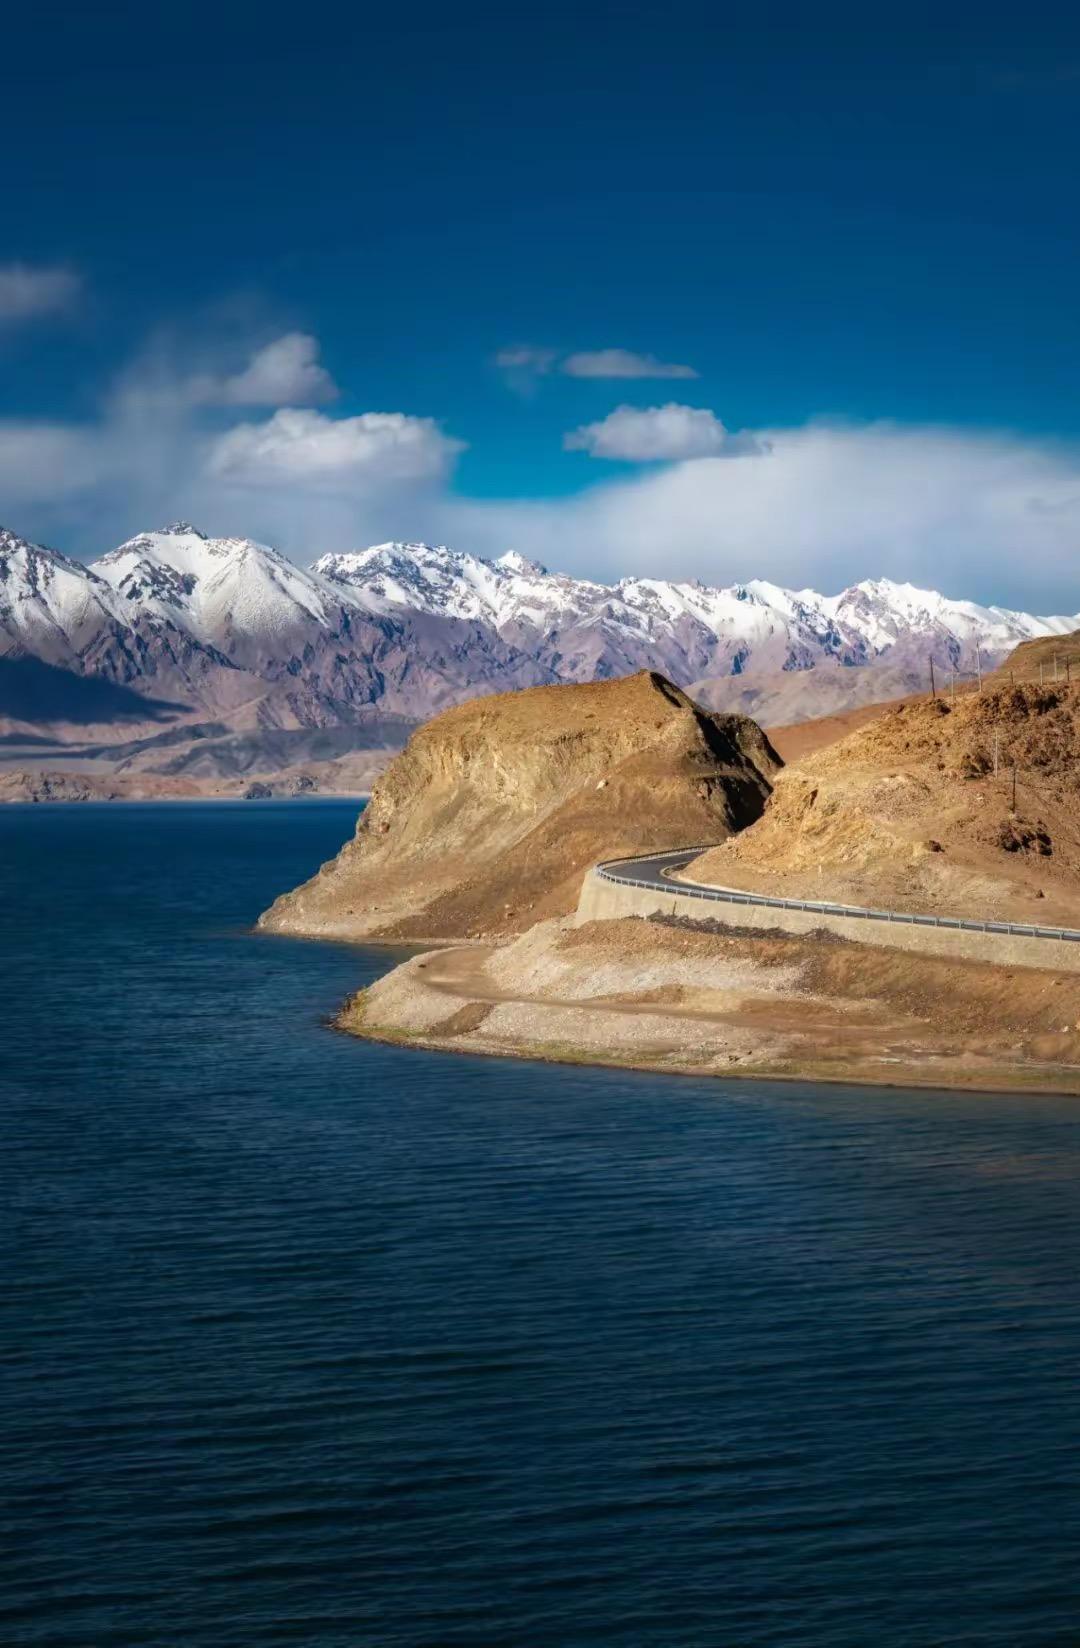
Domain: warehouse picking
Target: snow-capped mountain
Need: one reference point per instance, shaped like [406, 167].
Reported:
[51, 607]
[230, 626]
[652, 621]
[449, 584]
[218, 590]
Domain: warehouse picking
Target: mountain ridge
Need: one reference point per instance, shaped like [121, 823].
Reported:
[231, 628]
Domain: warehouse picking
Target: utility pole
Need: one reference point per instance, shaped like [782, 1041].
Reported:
[933, 689]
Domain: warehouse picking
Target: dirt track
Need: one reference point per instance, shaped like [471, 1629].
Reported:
[672, 998]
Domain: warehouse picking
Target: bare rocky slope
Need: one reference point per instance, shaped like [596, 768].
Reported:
[491, 815]
[1048, 659]
[915, 810]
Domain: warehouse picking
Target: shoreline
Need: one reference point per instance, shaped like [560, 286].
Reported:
[979, 1082]
[670, 1000]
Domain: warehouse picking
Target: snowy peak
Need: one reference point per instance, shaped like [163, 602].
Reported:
[182, 550]
[215, 587]
[19, 555]
[48, 603]
[444, 582]
[179, 529]
[519, 565]
[885, 612]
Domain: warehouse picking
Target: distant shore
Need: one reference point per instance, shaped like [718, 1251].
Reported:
[174, 800]
[74, 791]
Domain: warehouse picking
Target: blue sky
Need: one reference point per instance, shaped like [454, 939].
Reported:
[844, 224]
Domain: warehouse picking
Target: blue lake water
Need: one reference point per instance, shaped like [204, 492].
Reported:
[310, 1342]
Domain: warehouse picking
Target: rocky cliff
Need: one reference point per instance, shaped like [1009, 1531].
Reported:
[488, 819]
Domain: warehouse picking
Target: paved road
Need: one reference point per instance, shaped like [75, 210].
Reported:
[655, 871]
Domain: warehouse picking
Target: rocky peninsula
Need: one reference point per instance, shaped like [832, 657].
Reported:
[478, 837]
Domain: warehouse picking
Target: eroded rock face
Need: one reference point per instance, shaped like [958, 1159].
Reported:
[491, 815]
[52, 786]
[1017, 835]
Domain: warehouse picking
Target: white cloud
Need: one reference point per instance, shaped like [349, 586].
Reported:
[308, 449]
[651, 434]
[29, 293]
[300, 479]
[992, 516]
[621, 363]
[523, 363]
[286, 372]
[526, 357]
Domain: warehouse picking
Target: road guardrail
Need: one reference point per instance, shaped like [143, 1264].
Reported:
[731, 895]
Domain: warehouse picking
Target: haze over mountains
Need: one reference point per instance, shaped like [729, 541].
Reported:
[250, 657]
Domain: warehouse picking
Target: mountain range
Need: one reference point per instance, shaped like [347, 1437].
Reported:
[230, 644]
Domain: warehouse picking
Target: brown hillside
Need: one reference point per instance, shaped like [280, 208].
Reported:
[1052, 660]
[908, 812]
[802, 738]
[494, 810]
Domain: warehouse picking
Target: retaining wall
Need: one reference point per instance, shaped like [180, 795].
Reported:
[603, 900]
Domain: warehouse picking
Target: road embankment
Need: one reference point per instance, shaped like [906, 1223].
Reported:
[605, 899]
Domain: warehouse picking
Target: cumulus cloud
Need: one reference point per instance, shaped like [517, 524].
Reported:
[621, 363]
[286, 372]
[157, 451]
[653, 434]
[308, 449]
[30, 293]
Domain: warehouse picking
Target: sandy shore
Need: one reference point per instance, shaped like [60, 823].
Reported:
[657, 996]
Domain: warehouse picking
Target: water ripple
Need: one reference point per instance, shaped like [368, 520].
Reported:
[313, 1343]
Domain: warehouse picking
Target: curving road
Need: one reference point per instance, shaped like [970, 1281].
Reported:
[654, 870]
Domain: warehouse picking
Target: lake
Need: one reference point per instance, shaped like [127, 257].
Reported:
[313, 1342]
